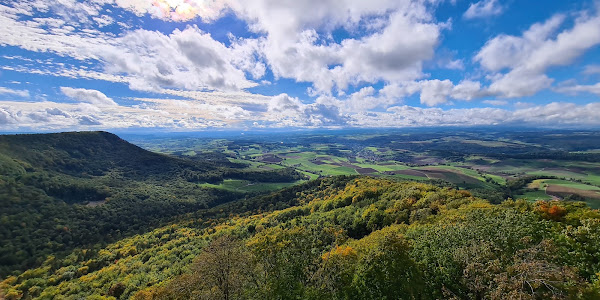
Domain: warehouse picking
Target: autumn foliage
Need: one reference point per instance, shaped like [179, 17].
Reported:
[551, 210]
[342, 238]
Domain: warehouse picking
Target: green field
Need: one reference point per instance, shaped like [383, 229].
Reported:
[533, 195]
[457, 158]
[544, 189]
[475, 172]
[573, 185]
[246, 186]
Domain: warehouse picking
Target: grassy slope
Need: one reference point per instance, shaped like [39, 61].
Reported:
[245, 186]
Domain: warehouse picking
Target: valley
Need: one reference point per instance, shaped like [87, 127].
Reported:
[481, 161]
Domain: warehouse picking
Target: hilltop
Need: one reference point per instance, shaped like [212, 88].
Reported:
[65, 190]
[86, 154]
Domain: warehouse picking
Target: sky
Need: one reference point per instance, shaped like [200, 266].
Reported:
[190, 65]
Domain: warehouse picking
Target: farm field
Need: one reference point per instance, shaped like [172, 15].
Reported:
[484, 162]
[533, 195]
[246, 186]
[544, 189]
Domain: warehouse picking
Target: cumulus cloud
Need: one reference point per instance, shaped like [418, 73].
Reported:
[239, 98]
[483, 9]
[299, 48]
[527, 57]
[47, 34]
[147, 60]
[519, 83]
[284, 110]
[559, 113]
[364, 100]
[389, 42]
[176, 10]
[89, 96]
[298, 44]
[294, 44]
[189, 59]
[284, 106]
[576, 89]
[177, 107]
[49, 115]
[591, 69]
[506, 51]
[11, 92]
[496, 102]
[434, 92]
[74, 13]
[553, 114]
[455, 64]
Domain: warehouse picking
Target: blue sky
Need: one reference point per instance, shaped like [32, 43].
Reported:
[185, 65]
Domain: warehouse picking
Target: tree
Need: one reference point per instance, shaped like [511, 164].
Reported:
[222, 268]
[220, 272]
[385, 269]
[534, 275]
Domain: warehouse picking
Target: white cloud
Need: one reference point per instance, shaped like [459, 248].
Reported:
[467, 90]
[77, 116]
[591, 69]
[519, 83]
[299, 48]
[364, 100]
[507, 51]
[298, 45]
[553, 114]
[286, 111]
[89, 96]
[496, 102]
[529, 56]
[176, 10]
[234, 98]
[483, 9]
[188, 59]
[434, 92]
[283, 111]
[74, 13]
[456, 64]
[576, 89]
[559, 113]
[177, 107]
[18, 93]
[284, 106]
[388, 42]
[31, 35]
[61, 70]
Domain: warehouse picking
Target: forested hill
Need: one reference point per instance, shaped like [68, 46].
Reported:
[88, 154]
[83, 189]
[342, 238]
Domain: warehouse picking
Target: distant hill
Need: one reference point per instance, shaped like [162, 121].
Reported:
[64, 190]
[90, 154]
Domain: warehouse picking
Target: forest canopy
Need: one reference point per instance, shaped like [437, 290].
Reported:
[343, 238]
